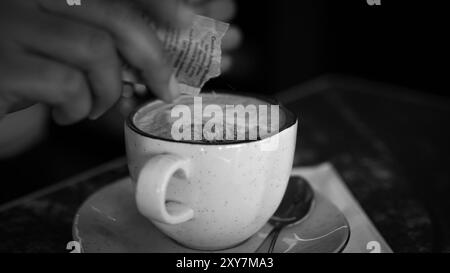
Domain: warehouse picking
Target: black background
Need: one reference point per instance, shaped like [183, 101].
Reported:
[289, 42]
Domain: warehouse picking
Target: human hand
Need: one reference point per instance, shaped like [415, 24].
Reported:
[70, 57]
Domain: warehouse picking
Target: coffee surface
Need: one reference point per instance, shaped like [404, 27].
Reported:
[239, 120]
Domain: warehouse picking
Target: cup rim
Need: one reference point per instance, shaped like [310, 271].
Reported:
[291, 120]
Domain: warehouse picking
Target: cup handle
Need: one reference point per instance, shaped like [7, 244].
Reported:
[152, 185]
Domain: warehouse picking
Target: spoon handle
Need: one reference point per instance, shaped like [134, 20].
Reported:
[274, 239]
[267, 243]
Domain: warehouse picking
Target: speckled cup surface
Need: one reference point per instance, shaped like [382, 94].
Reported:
[216, 195]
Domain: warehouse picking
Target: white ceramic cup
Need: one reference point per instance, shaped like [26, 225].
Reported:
[209, 196]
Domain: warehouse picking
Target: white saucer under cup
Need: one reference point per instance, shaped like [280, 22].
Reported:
[108, 221]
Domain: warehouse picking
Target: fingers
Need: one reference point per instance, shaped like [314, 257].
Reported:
[232, 39]
[169, 12]
[222, 10]
[133, 36]
[89, 49]
[35, 79]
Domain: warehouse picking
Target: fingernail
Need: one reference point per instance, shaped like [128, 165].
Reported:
[94, 115]
[140, 89]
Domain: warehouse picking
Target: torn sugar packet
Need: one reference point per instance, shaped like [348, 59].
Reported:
[194, 53]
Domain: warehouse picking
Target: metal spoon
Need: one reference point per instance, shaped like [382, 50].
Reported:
[295, 205]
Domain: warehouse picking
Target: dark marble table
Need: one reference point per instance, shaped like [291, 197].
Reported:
[389, 144]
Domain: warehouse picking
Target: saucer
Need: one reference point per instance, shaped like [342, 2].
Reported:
[108, 221]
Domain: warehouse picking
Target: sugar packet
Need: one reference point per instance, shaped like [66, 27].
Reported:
[194, 53]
